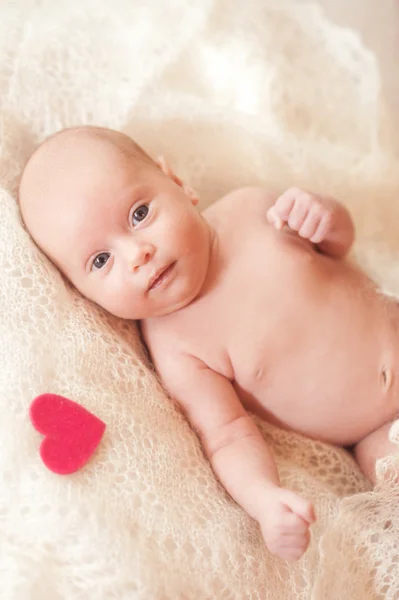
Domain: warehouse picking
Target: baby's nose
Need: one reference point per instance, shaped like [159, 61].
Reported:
[140, 256]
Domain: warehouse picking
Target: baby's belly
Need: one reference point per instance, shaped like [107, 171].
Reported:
[336, 378]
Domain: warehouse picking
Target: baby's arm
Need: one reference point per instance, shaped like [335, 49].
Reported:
[238, 453]
[320, 219]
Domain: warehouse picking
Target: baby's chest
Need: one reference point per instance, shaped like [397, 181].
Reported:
[235, 332]
[259, 306]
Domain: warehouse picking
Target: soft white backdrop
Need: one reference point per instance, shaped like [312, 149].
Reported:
[274, 93]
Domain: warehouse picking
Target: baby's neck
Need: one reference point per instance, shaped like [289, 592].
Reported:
[214, 262]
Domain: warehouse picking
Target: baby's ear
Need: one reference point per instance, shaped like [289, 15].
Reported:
[165, 168]
[192, 194]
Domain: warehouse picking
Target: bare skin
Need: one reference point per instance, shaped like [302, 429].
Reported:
[257, 310]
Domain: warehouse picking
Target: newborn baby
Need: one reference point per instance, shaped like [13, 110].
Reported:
[248, 305]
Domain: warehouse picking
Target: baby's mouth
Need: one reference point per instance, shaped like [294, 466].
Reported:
[161, 276]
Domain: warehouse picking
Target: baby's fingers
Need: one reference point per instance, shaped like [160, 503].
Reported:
[322, 230]
[292, 208]
[285, 203]
[294, 525]
[291, 547]
[298, 505]
[311, 224]
[295, 540]
[274, 219]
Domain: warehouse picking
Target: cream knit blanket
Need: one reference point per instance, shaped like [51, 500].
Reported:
[232, 93]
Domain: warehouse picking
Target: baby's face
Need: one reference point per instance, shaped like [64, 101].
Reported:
[124, 233]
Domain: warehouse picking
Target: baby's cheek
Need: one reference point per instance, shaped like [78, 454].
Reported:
[121, 302]
[105, 293]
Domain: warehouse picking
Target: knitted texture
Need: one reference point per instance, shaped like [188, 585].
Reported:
[232, 93]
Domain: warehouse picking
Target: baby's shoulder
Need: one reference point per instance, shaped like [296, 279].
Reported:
[167, 351]
[245, 201]
[163, 337]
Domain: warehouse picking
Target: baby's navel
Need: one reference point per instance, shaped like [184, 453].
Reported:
[259, 374]
[386, 378]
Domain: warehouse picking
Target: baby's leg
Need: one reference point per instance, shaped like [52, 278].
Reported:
[374, 446]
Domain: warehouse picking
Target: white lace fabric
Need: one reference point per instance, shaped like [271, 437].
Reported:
[261, 92]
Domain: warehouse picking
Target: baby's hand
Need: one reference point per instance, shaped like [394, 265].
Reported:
[303, 212]
[285, 523]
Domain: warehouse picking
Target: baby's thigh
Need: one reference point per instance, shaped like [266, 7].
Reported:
[374, 446]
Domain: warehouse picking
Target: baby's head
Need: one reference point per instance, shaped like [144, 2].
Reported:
[113, 220]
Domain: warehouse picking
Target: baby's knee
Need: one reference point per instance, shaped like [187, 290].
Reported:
[374, 446]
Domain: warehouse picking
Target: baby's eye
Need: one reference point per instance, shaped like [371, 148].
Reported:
[101, 260]
[140, 213]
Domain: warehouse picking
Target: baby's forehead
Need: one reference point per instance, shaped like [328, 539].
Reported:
[71, 162]
[78, 153]
[56, 179]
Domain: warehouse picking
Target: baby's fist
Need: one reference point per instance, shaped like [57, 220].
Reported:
[285, 523]
[303, 212]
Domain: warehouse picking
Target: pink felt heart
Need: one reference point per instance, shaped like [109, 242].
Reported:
[72, 432]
